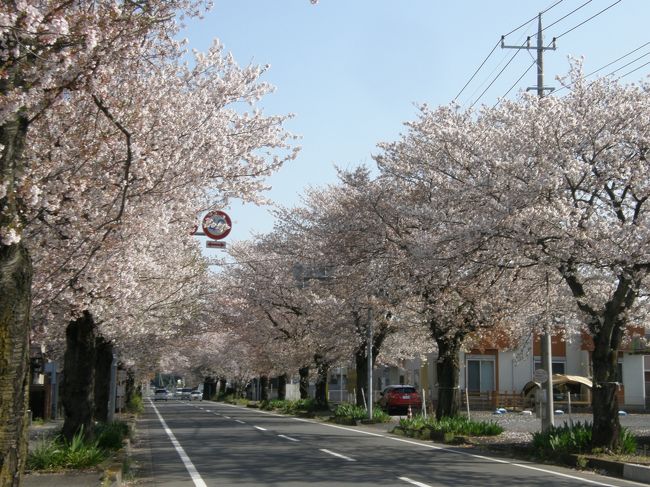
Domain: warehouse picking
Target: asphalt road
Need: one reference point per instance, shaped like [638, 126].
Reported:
[213, 444]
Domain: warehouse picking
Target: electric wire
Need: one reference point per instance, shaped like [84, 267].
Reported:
[477, 70]
[497, 45]
[515, 83]
[590, 18]
[635, 69]
[570, 13]
[495, 78]
[566, 87]
[627, 64]
[554, 39]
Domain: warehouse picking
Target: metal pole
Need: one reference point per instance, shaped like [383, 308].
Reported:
[369, 399]
[548, 419]
[112, 390]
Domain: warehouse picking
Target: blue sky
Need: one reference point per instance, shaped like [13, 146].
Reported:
[353, 71]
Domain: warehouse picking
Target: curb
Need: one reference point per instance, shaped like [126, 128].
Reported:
[639, 473]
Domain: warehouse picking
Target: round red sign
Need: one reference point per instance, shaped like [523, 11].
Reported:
[217, 225]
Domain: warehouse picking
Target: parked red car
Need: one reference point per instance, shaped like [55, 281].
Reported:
[399, 398]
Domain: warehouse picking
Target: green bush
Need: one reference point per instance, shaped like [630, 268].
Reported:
[57, 454]
[568, 439]
[458, 425]
[135, 404]
[110, 436]
[299, 406]
[358, 413]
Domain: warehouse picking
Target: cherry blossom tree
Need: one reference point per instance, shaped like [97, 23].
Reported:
[118, 146]
[553, 187]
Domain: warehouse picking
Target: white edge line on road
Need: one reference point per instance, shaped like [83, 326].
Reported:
[338, 455]
[259, 428]
[414, 482]
[497, 460]
[288, 438]
[191, 469]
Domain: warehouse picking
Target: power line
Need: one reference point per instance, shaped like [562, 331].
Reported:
[477, 70]
[515, 83]
[590, 18]
[494, 80]
[570, 13]
[635, 69]
[497, 44]
[627, 64]
[566, 87]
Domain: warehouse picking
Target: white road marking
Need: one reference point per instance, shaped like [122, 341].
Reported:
[240, 421]
[434, 447]
[288, 438]
[191, 469]
[414, 482]
[259, 428]
[227, 417]
[338, 455]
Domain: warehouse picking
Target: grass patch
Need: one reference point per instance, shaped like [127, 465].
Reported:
[576, 439]
[136, 404]
[110, 436]
[358, 413]
[297, 407]
[59, 455]
[458, 425]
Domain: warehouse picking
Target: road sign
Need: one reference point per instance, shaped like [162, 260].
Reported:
[215, 245]
[217, 225]
[540, 376]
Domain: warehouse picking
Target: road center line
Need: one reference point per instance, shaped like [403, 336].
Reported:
[239, 421]
[414, 482]
[338, 455]
[288, 438]
[259, 428]
[191, 469]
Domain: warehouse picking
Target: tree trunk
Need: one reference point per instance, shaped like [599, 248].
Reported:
[321, 382]
[209, 388]
[264, 388]
[282, 387]
[304, 382]
[78, 377]
[223, 384]
[361, 366]
[15, 302]
[102, 389]
[129, 389]
[606, 428]
[448, 372]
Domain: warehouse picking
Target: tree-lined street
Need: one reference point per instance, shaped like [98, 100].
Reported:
[467, 235]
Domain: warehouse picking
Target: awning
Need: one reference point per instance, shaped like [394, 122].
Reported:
[559, 379]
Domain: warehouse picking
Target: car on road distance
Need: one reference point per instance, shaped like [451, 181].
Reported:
[399, 398]
[160, 395]
[196, 395]
[185, 393]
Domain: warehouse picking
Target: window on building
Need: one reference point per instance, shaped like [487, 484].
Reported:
[558, 366]
[480, 375]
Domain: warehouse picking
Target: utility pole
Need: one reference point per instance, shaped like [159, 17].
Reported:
[369, 346]
[548, 419]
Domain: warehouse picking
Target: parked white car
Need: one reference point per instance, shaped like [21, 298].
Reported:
[160, 395]
[196, 395]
